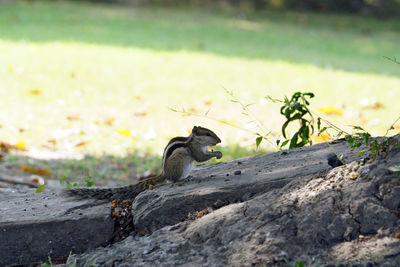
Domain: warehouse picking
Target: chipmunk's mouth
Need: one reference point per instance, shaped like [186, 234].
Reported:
[208, 149]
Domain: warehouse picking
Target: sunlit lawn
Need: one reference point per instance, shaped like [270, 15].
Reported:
[100, 79]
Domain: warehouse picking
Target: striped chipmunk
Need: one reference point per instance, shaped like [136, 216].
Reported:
[177, 161]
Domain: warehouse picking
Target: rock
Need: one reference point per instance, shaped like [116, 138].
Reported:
[333, 160]
[297, 212]
[168, 205]
[237, 172]
[280, 210]
[35, 226]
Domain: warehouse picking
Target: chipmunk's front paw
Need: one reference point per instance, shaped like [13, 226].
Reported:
[218, 154]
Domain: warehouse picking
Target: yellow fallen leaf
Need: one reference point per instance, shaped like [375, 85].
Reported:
[72, 118]
[330, 110]
[21, 145]
[83, 143]
[52, 142]
[124, 132]
[320, 138]
[140, 114]
[10, 69]
[35, 92]
[353, 175]
[33, 170]
[109, 121]
[4, 147]
[208, 102]
[377, 105]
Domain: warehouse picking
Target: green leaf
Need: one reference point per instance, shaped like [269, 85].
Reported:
[284, 128]
[258, 141]
[350, 140]
[319, 124]
[41, 188]
[322, 130]
[62, 179]
[293, 141]
[360, 153]
[366, 137]
[398, 145]
[285, 143]
[358, 128]
[299, 264]
[311, 95]
[89, 182]
[69, 185]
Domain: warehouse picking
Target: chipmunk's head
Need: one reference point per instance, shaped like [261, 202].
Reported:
[205, 136]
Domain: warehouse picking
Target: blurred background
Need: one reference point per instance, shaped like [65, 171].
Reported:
[93, 90]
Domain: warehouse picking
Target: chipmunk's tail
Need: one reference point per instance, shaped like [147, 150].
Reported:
[125, 192]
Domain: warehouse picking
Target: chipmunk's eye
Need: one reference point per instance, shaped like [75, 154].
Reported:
[208, 134]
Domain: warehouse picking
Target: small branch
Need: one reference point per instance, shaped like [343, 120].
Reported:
[392, 126]
[392, 59]
[183, 112]
[13, 181]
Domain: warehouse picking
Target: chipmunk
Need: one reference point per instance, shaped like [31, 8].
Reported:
[177, 160]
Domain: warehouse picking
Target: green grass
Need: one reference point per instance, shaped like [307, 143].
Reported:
[94, 64]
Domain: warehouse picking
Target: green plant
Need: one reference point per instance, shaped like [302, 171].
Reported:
[87, 182]
[296, 109]
[41, 188]
[375, 147]
[48, 264]
[68, 184]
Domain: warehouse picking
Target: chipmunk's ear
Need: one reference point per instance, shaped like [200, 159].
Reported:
[195, 130]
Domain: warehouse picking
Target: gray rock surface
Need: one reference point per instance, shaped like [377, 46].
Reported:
[217, 185]
[283, 208]
[35, 226]
[268, 210]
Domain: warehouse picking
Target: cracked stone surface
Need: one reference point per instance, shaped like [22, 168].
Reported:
[35, 226]
[347, 216]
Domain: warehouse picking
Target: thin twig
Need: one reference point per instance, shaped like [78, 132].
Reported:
[253, 117]
[392, 126]
[13, 181]
[206, 116]
[392, 59]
